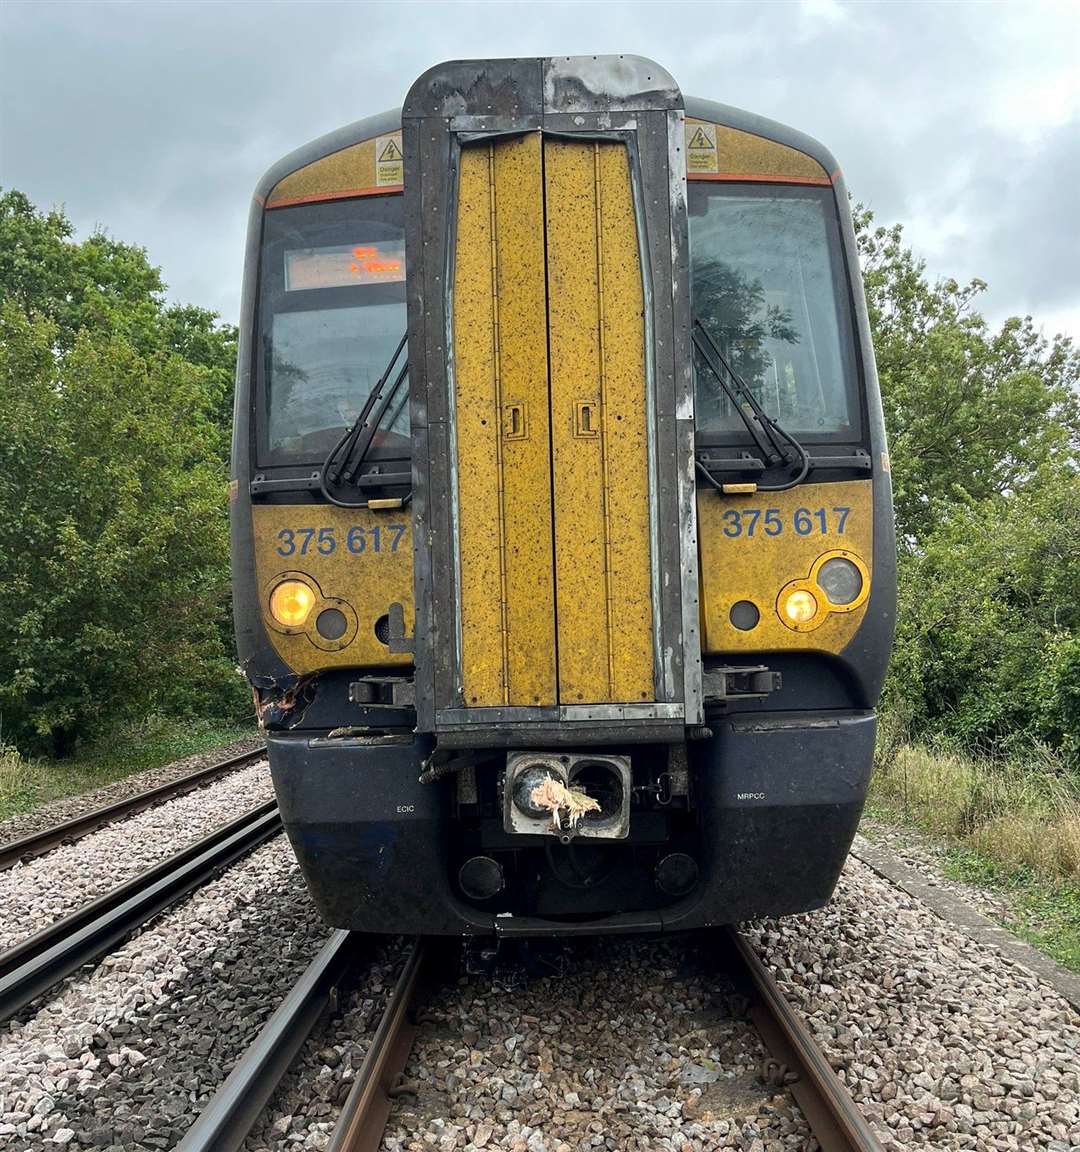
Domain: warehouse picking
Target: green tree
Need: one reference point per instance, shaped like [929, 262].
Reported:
[104, 286]
[984, 432]
[196, 335]
[970, 411]
[113, 529]
[113, 541]
[988, 636]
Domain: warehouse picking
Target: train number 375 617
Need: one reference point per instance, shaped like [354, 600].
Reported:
[325, 541]
[772, 522]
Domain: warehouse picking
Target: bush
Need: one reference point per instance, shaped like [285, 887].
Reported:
[988, 639]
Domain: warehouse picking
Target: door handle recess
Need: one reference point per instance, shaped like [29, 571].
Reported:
[587, 419]
[514, 427]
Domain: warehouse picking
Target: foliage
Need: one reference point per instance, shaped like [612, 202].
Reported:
[113, 535]
[105, 286]
[988, 633]
[148, 742]
[984, 434]
[1023, 811]
[970, 412]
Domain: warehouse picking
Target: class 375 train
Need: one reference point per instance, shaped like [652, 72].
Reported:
[562, 539]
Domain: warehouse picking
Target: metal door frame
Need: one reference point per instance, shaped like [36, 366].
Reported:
[615, 98]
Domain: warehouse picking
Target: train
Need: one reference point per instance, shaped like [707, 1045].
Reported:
[563, 557]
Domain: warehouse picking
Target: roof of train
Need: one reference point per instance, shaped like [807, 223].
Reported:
[385, 122]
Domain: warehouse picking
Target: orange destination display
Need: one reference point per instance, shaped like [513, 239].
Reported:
[344, 265]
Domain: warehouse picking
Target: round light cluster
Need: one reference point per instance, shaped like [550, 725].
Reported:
[296, 604]
[291, 602]
[838, 582]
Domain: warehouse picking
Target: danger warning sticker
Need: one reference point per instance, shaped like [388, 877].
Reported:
[389, 160]
[701, 154]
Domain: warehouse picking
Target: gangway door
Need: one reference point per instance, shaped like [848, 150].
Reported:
[502, 443]
[555, 567]
[599, 426]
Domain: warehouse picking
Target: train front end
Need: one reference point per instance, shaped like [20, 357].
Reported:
[562, 534]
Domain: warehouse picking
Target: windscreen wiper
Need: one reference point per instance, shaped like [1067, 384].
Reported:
[775, 444]
[346, 458]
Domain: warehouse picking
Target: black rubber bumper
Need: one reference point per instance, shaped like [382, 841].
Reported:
[778, 799]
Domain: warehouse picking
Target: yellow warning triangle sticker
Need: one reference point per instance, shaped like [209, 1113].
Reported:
[391, 152]
[700, 140]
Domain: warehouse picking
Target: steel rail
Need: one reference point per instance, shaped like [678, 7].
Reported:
[37, 843]
[833, 1116]
[18, 954]
[226, 1121]
[159, 888]
[363, 1116]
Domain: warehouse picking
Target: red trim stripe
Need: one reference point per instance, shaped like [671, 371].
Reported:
[385, 189]
[759, 177]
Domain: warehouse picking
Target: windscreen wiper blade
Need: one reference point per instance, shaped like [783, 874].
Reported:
[775, 444]
[346, 458]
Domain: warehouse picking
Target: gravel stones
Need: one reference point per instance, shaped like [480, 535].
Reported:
[634, 1045]
[305, 1106]
[943, 1042]
[125, 1054]
[611, 1043]
[44, 889]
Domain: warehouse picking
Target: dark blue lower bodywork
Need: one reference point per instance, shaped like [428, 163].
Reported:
[774, 798]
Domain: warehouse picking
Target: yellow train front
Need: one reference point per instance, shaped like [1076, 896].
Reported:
[563, 556]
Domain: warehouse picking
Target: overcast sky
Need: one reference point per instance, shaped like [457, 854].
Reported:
[156, 119]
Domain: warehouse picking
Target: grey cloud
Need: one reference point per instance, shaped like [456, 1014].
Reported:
[1029, 238]
[156, 120]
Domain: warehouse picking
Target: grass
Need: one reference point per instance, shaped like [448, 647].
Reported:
[1009, 826]
[26, 784]
[1044, 912]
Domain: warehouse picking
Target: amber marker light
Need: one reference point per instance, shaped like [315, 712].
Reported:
[290, 603]
[800, 607]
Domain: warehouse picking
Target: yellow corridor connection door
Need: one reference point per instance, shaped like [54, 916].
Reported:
[551, 416]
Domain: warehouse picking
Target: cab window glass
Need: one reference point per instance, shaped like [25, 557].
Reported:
[332, 312]
[768, 283]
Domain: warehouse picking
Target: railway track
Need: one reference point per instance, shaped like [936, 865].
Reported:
[31, 967]
[833, 1116]
[225, 1122]
[38, 843]
[34, 965]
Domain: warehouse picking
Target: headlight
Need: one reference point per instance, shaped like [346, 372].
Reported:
[840, 580]
[800, 607]
[290, 603]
